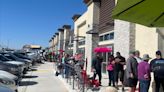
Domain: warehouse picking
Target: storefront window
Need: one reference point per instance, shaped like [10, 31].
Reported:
[82, 51]
[101, 38]
[82, 43]
[111, 36]
[106, 37]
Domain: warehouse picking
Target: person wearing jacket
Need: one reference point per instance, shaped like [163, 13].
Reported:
[131, 72]
[96, 66]
[144, 73]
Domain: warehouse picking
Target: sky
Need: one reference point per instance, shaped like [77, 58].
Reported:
[35, 21]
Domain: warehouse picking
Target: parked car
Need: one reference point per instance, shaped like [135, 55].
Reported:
[32, 56]
[13, 57]
[14, 69]
[23, 57]
[7, 79]
[6, 60]
[3, 88]
[12, 85]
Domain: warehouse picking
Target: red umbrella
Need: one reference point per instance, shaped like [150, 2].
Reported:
[102, 49]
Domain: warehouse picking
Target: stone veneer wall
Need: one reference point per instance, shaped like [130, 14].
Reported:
[161, 40]
[124, 39]
[66, 39]
[61, 40]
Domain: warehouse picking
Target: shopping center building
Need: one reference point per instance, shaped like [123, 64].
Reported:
[95, 28]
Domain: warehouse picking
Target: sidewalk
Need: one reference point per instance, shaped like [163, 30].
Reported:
[42, 79]
[104, 84]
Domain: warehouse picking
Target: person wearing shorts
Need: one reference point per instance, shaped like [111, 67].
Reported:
[132, 72]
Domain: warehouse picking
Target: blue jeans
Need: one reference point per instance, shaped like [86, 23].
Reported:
[144, 85]
[67, 71]
[111, 77]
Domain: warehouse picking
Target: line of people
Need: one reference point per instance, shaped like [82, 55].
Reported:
[133, 71]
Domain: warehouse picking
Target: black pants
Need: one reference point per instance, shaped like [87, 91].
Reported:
[119, 74]
[111, 78]
[98, 72]
[158, 83]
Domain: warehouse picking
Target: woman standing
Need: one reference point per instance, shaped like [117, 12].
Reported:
[144, 74]
[110, 69]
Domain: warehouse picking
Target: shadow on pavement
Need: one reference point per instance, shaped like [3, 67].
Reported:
[29, 76]
[27, 83]
[33, 69]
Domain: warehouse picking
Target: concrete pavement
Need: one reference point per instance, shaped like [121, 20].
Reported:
[41, 79]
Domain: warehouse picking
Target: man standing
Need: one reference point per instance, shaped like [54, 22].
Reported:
[131, 72]
[96, 66]
[137, 56]
[157, 66]
[119, 69]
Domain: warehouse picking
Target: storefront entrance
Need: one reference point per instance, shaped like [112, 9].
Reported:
[105, 58]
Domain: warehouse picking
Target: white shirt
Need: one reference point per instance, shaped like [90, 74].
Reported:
[138, 59]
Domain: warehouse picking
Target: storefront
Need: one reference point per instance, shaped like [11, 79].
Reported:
[105, 56]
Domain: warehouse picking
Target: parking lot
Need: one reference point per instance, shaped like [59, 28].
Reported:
[41, 78]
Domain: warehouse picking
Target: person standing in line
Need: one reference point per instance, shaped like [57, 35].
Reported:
[119, 69]
[144, 73]
[110, 69]
[63, 65]
[131, 72]
[96, 66]
[157, 67]
[137, 56]
[139, 59]
[67, 67]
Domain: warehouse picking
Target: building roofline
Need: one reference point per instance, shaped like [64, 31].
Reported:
[56, 33]
[75, 17]
[67, 26]
[60, 29]
[88, 2]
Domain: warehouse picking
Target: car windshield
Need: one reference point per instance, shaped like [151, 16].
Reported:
[9, 57]
[2, 58]
[18, 55]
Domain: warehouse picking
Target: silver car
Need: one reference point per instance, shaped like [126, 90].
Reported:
[8, 80]
[5, 89]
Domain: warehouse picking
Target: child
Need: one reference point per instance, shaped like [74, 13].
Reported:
[110, 69]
